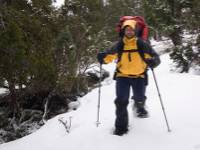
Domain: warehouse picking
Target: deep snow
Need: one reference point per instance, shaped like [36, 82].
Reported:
[180, 94]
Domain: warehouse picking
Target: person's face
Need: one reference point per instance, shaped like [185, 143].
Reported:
[129, 32]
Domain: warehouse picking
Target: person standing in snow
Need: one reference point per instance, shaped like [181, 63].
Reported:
[133, 57]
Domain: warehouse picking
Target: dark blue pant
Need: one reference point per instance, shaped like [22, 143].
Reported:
[123, 85]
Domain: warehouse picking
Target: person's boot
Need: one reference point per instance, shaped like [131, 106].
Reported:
[120, 132]
[140, 110]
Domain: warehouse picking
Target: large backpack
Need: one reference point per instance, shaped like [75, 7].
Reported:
[141, 26]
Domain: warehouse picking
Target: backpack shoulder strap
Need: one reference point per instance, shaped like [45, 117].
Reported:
[141, 49]
[120, 48]
[146, 48]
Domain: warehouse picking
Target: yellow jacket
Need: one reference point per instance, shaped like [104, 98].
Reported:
[128, 54]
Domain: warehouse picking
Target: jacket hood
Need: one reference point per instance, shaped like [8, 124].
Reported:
[131, 23]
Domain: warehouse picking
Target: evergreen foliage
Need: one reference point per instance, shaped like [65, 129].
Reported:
[173, 19]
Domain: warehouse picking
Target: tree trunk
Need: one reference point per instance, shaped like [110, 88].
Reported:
[13, 98]
[176, 36]
[176, 13]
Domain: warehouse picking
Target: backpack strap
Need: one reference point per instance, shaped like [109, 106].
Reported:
[120, 48]
[141, 50]
[146, 48]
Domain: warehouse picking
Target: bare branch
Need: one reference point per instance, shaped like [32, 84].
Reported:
[65, 123]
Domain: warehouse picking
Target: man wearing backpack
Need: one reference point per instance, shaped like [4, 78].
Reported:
[134, 57]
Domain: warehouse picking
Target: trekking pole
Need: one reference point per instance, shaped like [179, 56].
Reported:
[99, 97]
[161, 102]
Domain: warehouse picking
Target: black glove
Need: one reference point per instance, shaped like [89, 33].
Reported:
[153, 62]
[100, 57]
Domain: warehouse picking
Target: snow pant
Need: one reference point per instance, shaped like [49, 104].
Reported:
[123, 85]
[146, 80]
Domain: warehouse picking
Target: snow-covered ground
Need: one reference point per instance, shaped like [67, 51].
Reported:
[58, 3]
[180, 94]
[3, 90]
